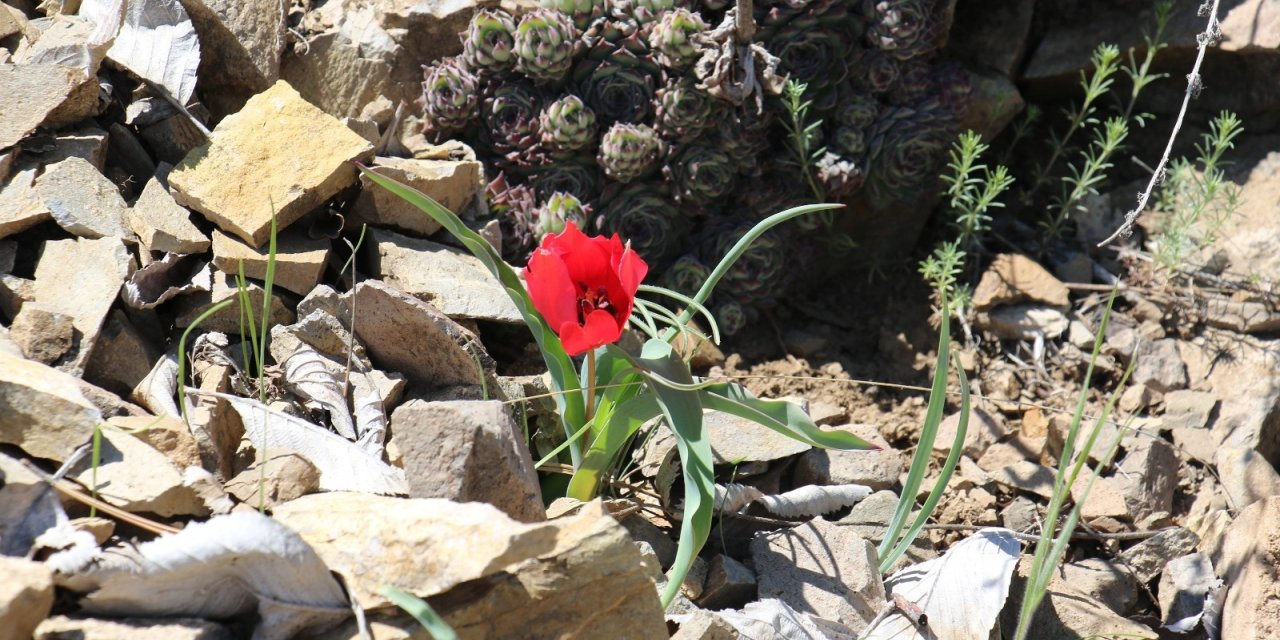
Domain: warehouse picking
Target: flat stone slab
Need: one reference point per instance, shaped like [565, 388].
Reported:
[42, 94]
[452, 281]
[162, 225]
[300, 259]
[83, 201]
[20, 205]
[42, 410]
[452, 183]
[81, 278]
[279, 152]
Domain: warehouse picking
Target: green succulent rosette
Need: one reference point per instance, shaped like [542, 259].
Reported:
[568, 125]
[906, 147]
[672, 38]
[577, 175]
[905, 28]
[583, 12]
[544, 41]
[628, 151]
[644, 215]
[559, 209]
[511, 117]
[683, 110]
[489, 41]
[700, 174]
[450, 96]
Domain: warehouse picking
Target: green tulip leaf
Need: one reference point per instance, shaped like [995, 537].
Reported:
[786, 418]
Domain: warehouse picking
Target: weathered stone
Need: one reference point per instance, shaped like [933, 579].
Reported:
[1188, 409]
[167, 434]
[468, 451]
[129, 163]
[51, 95]
[20, 205]
[300, 260]
[875, 469]
[241, 42]
[29, 506]
[172, 138]
[992, 34]
[215, 426]
[1197, 444]
[60, 627]
[641, 530]
[425, 33]
[1066, 613]
[162, 225]
[83, 201]
[729, 584]
[1246, 476]
[98, 268]
[984, 429]
[26, 594]
[1104, 580]
[1023, 322]
[100, 528]
[404, 334]
[1014, 278]
[1026, 476]
[454, 282]
[452, 183]
[1021, 515]
[1147, 475]
[1244, 316]
[44, 335]
[135, 477]
[287, 477]
[1003, 454]
[1106, 498]
[704, 625]
[1160, 366]
[228, 319]
[1248, 565]
[1136, 398]
[278, 155]
[343, 70]
[121, 356]
[575, 576]
[822, 569]
[1060, 428]
[1148, 558]
[1184, 583]
[87, 142]
[735, 440]
[42, 409]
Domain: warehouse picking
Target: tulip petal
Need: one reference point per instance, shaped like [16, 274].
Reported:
[601, 328]
[552, 291]
[631, 270]
[587, 259]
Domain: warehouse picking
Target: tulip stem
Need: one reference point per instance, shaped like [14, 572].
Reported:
[591, 383]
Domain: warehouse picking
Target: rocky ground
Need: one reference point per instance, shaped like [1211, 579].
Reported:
[404, 403]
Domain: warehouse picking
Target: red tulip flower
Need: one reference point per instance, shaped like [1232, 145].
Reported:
[584, 286]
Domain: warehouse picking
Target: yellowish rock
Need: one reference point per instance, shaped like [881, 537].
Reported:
[26, 596]
[42, 409]
[278, 153]
[162, 225]
[300, 259]
[1016, 278]
[452, 183]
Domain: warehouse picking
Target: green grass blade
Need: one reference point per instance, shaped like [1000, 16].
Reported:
[569, 397]
[924, 449]
[619, 425]
[421, 611]
[944, 478]
[182, 355]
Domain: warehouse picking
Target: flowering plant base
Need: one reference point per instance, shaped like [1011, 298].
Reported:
[623, 391]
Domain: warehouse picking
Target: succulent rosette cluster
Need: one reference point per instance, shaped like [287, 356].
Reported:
[614, 116]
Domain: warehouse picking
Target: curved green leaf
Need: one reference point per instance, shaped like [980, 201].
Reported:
[620, 422]
[786, 418]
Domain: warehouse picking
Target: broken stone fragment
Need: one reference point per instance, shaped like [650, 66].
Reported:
[122, 356]
[135, 477]
[404, 334]
[323, 70]
[1067, 612]
[87, 142]
[241, 42]
[454, 282]
[1148, 558]
[729, 584]
[44, 335]
[1014, 278]
[452, 183]
[98, 268]
[287, 477]
[50, 95]
[26, 594]
[822, 569]
[578, 575]
[1184, 583]
[164, 226]
[1246, 476]
[300, 259]
[167, 434]
[983, 430]
[83, 201]
[278, 155]
[1253, 597]
[468, 451]
[875, 469]
[20, 205]
[58, 627]
[735, 440]
[1147, 476]
[228, 319]
[44, 413]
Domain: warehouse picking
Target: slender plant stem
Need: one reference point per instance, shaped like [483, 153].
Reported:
[1211, 32]
[591, 383]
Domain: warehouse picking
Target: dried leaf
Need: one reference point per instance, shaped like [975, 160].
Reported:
[961, 593]
[731, 498]
[307, 373]
[157, 42]
[343, 465]
[156, 391]
[813, 500]
[28, 507]
[171, 276]
[228, 566]
[371, 415]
